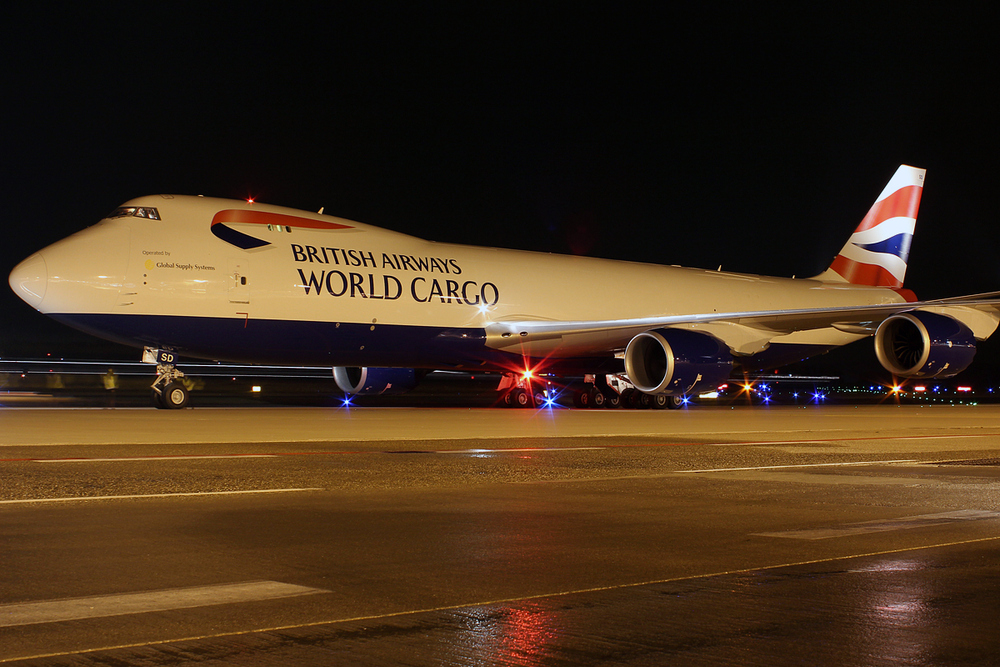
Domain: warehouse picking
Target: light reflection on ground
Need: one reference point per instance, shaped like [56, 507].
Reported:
[515, 635]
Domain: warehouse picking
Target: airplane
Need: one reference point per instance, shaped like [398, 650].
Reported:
[246, 282]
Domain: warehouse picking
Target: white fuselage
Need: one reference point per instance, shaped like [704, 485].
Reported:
[177, 274]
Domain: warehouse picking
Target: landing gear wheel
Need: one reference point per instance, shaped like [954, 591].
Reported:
[612, 399]
[636, 399]
[175, 396]
[581, 399]
[659, 402]
[157, 399]
[627, 397]
[596, 397]
[519, 398]
[675, 402]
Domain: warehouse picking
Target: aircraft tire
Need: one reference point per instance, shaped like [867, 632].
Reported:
[627, 398]
[175, 396]
[659, 401]
[612, 399]
[675, 402]
[581, 399]
[596, 397]
[157, 399]
[519, 398]
[638, 400]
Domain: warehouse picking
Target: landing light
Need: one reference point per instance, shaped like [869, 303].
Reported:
[255, 389]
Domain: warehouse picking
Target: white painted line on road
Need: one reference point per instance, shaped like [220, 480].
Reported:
[492, 602]
[25, 501]
[497, 450]
[98, 606]
[517, 449]
[902, 523]
[181, 457]
[861, 438]
[799, 465]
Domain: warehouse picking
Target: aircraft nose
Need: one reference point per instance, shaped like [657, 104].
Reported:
[29, 280]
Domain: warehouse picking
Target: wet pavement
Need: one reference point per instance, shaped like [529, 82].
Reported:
[865, 536]
[927, 607]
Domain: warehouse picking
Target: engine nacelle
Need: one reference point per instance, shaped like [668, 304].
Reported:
[368, 381]
[924, 345]
[676, 361]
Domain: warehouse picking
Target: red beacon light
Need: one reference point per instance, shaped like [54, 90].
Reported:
[963, 388]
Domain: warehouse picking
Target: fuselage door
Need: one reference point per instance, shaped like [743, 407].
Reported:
[127, 289]
[239, 282]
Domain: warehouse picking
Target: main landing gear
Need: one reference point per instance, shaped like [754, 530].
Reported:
[598, 391]
[168, 390]
[516, 392]
[612, 391]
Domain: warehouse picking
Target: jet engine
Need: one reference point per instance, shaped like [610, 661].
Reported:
[924, 345]
[676, 361]
[370, 381]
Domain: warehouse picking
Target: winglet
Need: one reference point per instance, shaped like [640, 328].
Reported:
[877, 251]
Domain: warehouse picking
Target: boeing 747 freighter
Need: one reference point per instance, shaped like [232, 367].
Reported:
[246, 282]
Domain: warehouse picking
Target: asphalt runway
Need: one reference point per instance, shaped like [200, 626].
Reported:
[382, 536]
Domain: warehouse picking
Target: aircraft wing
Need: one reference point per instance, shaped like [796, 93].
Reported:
[744, 332]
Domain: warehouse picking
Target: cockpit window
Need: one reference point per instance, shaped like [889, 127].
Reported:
[135, 212]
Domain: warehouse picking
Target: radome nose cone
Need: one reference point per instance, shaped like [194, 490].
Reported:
[29, 279]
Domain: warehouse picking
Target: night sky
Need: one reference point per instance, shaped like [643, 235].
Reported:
[741, 136]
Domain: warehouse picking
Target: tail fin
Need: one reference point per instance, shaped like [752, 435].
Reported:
[877, 251]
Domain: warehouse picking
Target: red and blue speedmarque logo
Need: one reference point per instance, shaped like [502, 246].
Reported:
[222, 230]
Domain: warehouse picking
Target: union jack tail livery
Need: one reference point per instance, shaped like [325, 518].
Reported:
[876, 253]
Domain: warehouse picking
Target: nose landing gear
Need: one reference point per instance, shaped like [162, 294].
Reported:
[168, 390]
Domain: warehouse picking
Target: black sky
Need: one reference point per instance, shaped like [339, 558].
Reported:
[747, 137]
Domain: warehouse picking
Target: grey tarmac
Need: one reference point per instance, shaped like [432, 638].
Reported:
[790, 535]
